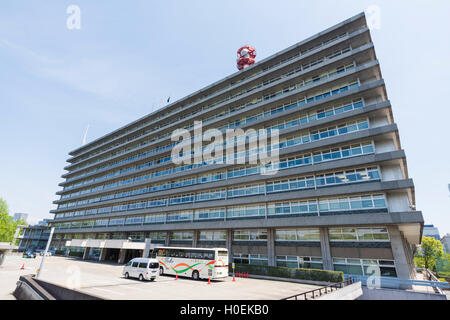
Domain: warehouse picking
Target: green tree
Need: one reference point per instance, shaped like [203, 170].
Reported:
[7, 224]
[429, 253]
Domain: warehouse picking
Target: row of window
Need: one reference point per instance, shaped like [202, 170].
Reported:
[299, 262]
[307, 99]
[319, 115]
[186, 114]
[365, 267]
[373, 201]
[316, 157]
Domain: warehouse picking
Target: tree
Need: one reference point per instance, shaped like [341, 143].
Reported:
[7, 224]
[430, 252]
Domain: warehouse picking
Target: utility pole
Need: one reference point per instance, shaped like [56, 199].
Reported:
[45, 252]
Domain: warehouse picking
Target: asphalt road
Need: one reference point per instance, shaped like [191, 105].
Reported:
[105, 280]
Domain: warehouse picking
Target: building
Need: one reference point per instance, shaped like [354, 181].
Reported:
[446, 243]
[341, 200]
[20, 216]
[430, 230]
[33, 238]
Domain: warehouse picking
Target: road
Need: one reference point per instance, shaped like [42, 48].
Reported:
[105, 280]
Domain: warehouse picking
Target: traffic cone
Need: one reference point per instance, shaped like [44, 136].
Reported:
[234, 278]
[176, 276]
[209, 280]
[23, 267]
[247, 275]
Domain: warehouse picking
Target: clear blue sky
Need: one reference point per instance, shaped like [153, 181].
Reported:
[128, 56]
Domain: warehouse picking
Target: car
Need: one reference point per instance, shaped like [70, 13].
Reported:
[29, 254]
[47, 254]
[141, 268]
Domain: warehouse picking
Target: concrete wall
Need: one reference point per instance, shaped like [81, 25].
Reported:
[393, 294]
[350, 292]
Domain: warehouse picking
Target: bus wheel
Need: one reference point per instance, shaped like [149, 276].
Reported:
[161, 271]
[141, 277]
[195, 275]
[127, 275]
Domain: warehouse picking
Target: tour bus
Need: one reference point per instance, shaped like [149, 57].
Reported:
[197, 263]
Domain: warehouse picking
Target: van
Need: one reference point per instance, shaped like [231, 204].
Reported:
[141, 268]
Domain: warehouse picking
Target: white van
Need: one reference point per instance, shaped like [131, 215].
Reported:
[142, 268]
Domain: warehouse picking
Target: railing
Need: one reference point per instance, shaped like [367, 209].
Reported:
[431, 277]
[320, 291]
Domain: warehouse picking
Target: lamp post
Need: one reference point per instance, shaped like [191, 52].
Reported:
[45, 252]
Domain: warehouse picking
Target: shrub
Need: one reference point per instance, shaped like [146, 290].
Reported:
[76, 253]
[292, 273]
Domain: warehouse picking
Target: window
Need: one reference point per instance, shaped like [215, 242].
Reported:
[297, 235]
[358, 234]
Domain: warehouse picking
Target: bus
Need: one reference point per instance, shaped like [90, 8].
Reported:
[197, 263]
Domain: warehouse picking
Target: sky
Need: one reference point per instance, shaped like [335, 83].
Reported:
[128, 57]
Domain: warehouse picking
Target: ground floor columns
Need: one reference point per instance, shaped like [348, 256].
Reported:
[229, 242]
[327, 260]
[147, 248]
[122, 255]
[195, 239]
[271, 247]
[168, 235]
[102, 255]
[399, 253]
[86, 253]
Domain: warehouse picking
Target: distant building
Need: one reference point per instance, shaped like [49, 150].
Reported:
[430, 230]
[44, 222]
[34, 237]
[446, 243]
[20, 216]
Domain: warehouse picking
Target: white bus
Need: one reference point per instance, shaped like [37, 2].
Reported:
[197, 263]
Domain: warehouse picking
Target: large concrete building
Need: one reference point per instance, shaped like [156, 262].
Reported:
[341, 200]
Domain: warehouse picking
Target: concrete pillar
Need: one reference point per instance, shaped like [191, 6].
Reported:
[147, 248]
[195, 240]
[229, 244]
[102, 256]
[271, 247]
[327, 260]
[409, 257]
[86, 253]
[398, 251]
[122, 254]
[168, 235]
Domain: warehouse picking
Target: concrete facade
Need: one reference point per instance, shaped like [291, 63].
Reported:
[341, 200]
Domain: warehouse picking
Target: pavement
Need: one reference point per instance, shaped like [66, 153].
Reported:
[105, 280]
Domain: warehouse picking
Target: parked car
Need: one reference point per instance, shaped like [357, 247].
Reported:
[29, 254]
[141, 268]
[49, 253]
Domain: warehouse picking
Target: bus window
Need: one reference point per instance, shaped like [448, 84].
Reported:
[222, 253]
[135, 264]
[208, 255]
[143, 265]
